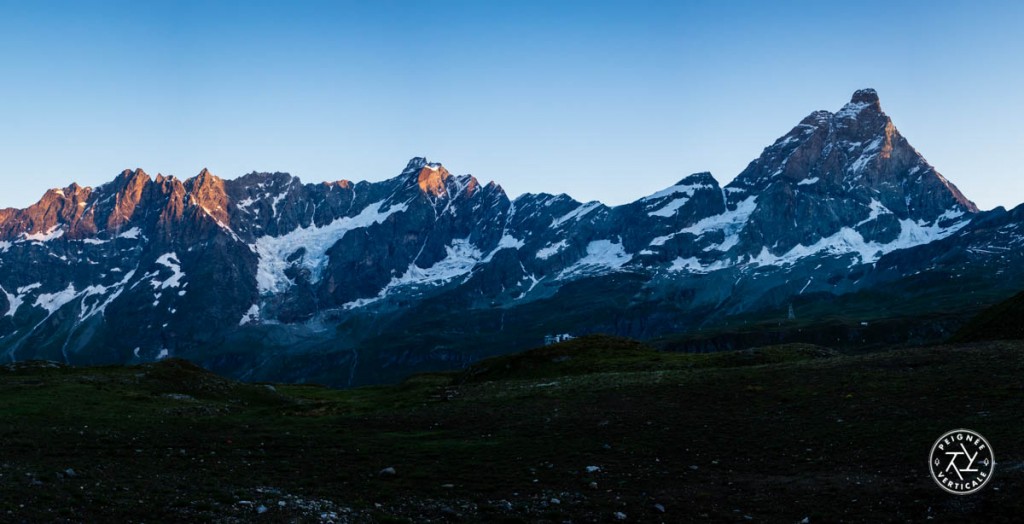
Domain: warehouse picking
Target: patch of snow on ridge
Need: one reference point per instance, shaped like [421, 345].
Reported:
[252, 315]
[507, 241]
[602, 256]
[807, 181]
[244, 204]
[783, 142]
[51, 302]
[576, 214]
[170, 261]
[692, 265]
[99, 307]
[132, 233]
[14, 301]
[25, 289]
[730, 222]
[847, 241]
[686, 264]
[660, 241]
[462, 257]
[877, 209]
[274, 251]
[673, 206]
[686, 189]
[545, 252]
[669, 209]
[726, 245]
[851, 110]
[50, 234]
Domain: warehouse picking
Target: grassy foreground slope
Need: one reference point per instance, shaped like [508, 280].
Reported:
[1002, 321]
[596, 430]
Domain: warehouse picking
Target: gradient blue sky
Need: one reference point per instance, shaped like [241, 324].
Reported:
[601, 100]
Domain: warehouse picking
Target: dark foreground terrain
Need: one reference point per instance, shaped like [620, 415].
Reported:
[595, 430]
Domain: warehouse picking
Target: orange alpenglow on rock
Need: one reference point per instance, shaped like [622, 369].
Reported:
[208, 193]
[432, 179]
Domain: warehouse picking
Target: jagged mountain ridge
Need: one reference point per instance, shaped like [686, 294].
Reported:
[277, 270]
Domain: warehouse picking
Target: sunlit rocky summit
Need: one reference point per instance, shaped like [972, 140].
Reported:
[840, 221]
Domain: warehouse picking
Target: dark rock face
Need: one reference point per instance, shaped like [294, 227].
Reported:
[851, 169]
[264, 277]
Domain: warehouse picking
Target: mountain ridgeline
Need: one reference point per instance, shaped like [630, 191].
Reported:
[265, 278]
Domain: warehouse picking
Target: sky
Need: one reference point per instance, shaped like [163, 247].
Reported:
[604, 101]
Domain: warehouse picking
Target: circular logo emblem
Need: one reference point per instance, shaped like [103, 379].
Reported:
[961, 461]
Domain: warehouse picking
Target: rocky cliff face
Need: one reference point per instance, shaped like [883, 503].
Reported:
[266, 277]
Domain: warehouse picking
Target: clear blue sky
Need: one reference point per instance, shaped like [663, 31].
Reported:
[601, 100]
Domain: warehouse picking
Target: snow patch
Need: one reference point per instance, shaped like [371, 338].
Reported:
[170, 261]
[50, 234]
[274, 251]
[726, 245]
[244, 204]
[546, 252]
[660, 241]
[877, 209]
[576, 214]
[848, 241]
[692, 265]
[508, 241]
[462, 257]
[686, 189]
[807, 181]
[51, 302]
[132, 233]
[851, 110]
[731, 221]
[686, 264]
[13, 302]
[252, 315]
[669, 209]
[602, 256]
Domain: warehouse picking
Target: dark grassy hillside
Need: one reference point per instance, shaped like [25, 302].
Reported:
[1003, 321]
[576, 432]
[606, 354]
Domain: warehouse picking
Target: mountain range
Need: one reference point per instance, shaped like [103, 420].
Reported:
[840, 222]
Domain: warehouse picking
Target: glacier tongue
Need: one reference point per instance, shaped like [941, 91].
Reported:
[274, 251]
[847, 241]
[462, 257]
[602, 256]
